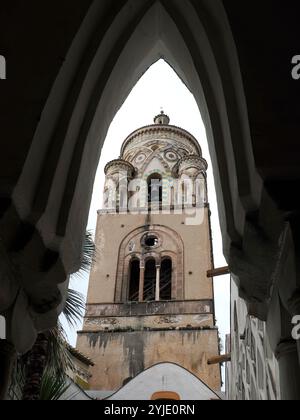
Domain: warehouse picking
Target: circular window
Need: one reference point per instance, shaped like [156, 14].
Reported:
[151, 241]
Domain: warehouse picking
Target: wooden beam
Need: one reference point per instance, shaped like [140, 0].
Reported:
[218, 272]
[225, 358]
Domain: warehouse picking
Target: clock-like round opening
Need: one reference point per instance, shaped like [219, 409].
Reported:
[151, 241]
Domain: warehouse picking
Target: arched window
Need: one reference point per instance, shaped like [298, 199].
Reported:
[150, 280]
[155, 190]
[123, 197]
[166, 279]
[187, 191]
[134, 282]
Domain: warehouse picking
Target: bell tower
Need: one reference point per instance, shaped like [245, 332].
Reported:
[149, 298]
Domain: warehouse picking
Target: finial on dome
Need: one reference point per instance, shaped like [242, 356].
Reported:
[162, 118]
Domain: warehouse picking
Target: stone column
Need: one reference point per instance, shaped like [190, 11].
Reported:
[287, 356]
[7, 357]
[157, 288]
[194, 199]
[172, 197]
[142, 283]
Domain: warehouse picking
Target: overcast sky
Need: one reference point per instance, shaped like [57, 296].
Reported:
[161, 88]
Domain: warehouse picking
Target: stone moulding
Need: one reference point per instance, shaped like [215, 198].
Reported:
[157, 130]
[119, 165]
[150, 308]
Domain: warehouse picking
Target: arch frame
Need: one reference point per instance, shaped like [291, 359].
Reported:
[197, 60]
[178, 280]
[55, 187]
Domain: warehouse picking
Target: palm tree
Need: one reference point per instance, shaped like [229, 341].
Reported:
[41, 374]
[50, 354]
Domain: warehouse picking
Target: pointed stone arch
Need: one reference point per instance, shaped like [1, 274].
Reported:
[197, 60]
[157, 156]
[54, 191]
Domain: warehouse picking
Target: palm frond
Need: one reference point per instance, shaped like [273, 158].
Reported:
[53, 387]
[59, 360]
[74, 307]
[59, 363]
[17, 379]
[88, 254]
[59, 357]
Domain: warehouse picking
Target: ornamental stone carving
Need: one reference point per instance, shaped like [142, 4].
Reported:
[118, 166]
[191, 166]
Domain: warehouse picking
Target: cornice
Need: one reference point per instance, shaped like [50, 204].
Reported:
[158, 128]
[194, 159]
[119, 163]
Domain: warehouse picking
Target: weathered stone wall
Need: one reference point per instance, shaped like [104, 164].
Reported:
[122, 355]
[177, 307]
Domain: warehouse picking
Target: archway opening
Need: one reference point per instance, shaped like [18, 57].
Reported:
[166, 279]
[162, 87]
[150, 280]
[155, 189]
[134, 279]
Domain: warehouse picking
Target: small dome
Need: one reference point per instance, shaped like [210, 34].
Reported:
[162, 119]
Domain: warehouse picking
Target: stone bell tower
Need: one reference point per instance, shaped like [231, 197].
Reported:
[149, 298]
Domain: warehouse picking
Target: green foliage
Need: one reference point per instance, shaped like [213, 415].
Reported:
[17, 379]
[59, 359]
[74, 307]
[88, 254]
[53, 387]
